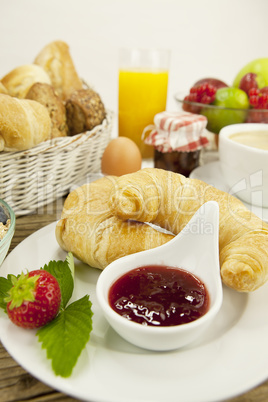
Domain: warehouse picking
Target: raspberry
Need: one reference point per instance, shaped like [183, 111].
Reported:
[258, 98]
[257, 116]
[204, 93]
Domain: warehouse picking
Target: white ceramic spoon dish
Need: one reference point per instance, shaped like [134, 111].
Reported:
[194, 249]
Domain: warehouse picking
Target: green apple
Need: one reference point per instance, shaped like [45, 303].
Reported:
[226, 98]
[231, 97]
[259, 67]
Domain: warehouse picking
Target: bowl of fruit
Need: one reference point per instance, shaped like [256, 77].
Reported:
[7, 228]
[245, 101]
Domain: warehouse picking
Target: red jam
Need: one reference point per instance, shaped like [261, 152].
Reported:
[178, 162]
[159, 296]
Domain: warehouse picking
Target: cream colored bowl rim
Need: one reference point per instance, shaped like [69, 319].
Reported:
[226, 131]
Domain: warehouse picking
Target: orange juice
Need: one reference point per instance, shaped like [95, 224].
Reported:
[142, 94]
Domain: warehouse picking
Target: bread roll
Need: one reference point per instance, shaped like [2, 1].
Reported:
[56, 60]
[45, 94]
[19, 81]
[85, 111]
[170, 200]
[23, 123]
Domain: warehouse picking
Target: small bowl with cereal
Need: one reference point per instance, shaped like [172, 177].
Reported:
[7, 228]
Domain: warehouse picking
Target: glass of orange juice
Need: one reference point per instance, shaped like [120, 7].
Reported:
[143, 86]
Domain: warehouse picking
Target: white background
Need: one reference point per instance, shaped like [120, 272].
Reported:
[206, 37]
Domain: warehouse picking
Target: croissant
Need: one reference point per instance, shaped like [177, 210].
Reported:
[170, 200]
[89, 230]
[23, 123]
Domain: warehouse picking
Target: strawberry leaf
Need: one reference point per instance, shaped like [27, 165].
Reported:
[70, 262]
[5, 285]
[65, 337]
[62, 272]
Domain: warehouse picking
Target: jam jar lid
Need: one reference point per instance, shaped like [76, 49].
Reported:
[176, 131]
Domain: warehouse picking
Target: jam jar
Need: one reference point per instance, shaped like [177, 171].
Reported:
[177, 138]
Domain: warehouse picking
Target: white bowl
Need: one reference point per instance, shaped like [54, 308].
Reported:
[194, 249]
[6, 241]
[244, 168]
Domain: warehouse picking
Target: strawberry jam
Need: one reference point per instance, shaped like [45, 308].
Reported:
[159, 296]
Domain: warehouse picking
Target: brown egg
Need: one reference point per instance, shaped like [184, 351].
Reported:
[121, 156]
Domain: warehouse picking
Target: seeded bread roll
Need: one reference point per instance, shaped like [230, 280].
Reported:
[23, 123]
[56, 60]
[19, 81]
[85, 111]
[45, 94]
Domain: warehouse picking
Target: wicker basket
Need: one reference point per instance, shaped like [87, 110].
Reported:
[33, 178]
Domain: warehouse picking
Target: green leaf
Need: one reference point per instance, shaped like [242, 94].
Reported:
[61, 271]
[5, 285]
[70, 262]
[65, 337]
[23, 290]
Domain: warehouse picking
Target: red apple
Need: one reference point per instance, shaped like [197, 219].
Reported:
[212, 81]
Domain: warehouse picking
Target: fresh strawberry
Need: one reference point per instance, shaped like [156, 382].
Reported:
[34, 300]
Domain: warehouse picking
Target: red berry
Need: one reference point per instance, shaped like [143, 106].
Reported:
[264, 90]
[257, 116]
[204, 93]
[34, 299]
[258, 98]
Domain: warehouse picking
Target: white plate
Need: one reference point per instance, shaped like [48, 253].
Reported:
[228, 360]
[211, 174]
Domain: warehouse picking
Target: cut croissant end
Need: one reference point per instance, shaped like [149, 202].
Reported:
[127, 204]
[239, 276]
[244, 261]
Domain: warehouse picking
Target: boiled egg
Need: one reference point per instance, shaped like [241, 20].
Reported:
[121, 156]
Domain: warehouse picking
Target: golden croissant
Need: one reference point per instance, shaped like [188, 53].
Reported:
[170, 200]
[94, 235]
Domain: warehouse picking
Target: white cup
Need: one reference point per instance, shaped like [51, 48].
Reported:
[245, 167]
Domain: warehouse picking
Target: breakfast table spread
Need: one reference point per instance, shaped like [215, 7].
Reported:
[16, 383]
[99, 222]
